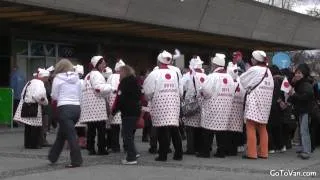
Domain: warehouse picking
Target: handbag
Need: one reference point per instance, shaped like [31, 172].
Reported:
[251, 89]
[191, 106]
[140, 121]
[28, 109]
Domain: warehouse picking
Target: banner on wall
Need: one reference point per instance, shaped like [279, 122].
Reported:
[281, 60]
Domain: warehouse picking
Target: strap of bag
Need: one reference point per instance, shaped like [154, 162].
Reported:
[265, 74]
[194, 85]
[25, 90]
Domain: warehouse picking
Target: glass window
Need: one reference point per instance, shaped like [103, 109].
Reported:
[20, 47]
[37, 49]
[34, 64]
[66, 51]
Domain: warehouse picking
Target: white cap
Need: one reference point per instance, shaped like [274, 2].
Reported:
[163, 57]
[259, 55]
[119, 64]
[107, 72]
[43, 73]
[177, 54]
[51, 68]
[195, 63]
[78, 69]
[219, 59]
[95, 60]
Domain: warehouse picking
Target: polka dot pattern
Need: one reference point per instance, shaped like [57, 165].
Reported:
[216, 110]
[236, 115]
[258, 104]
[93, 107]
[117, 118]
[35, 121]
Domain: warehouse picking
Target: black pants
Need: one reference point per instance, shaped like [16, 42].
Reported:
[68, 115]
[231, 141]
[128, 131]
[314, 133]
[81, 131]
[287, 134]
[32, 137]
[93, 127]
[275, 137]
[193, 139]
[206, 143]
[223, 143]
[164, 134]
[153, 138]
[146, 132]
[113, 137]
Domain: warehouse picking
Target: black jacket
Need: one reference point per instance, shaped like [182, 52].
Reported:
[276, 112]
[128, 99]
[303, 97]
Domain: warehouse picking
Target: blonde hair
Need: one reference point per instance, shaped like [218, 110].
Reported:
[64, 65]
[127, 70]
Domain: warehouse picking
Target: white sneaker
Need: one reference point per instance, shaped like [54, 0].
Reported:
[272, 151]
[284, 149]
[138, 155]
[125, 162]
[240, 149]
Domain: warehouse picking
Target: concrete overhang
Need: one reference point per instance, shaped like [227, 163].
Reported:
[238, 24]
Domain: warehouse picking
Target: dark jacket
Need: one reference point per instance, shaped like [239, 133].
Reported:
[128, 98]
[276, 112]
[303, 97]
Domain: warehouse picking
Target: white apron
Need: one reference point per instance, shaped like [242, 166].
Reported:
[218, 91]
[162, 88]
[114, 81]
[259, 101]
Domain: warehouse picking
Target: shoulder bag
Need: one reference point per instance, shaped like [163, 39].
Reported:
[28, 109]
[191, 106]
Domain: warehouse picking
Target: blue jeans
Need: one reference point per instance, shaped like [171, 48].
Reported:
[304, 133]
[128, 131]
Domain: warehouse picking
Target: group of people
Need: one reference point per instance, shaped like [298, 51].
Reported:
[233, 105]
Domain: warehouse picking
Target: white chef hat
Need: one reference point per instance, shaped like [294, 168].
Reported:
[43, 73]
[232, 70]
[119, 64]
[165, 57]
[259, 55]
[107, 72]
[195, 63]
[51, 68]
[79, 69]
[95, 60]
[177, 54]
[219, 59]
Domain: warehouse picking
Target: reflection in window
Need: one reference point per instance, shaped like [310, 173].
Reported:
[66, 51]
[21, 47]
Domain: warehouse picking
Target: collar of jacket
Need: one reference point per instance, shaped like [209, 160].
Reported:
[163, 66]
[220, 70]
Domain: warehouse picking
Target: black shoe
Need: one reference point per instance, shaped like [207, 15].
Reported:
[160, 159]
[92, 152]
[153, 150]
[247, 157]
[177, 158]
[103, 152]
[203, 155]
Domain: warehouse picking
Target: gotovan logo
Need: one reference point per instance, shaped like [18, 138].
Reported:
[294, 173]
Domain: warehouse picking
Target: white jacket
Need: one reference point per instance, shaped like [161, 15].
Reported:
[259, 101]
[35, 93]
[163, 89]
[218, 91]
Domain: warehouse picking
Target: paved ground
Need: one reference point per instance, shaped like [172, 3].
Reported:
[16, 163]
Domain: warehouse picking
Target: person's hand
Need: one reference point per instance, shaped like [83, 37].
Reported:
[291, 92]
[283, 105]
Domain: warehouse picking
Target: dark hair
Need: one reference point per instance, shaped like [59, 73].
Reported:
[274, 70]
[99, 62]
[304, 69]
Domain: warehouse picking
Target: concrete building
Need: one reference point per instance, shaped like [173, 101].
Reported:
[37, 33]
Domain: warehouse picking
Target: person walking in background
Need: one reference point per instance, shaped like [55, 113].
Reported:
[128, 103]
[17, 82]
[66, 90]
[258, 82]
[302, 96]
[162, 88]
[33, 92]
[191, 83]
[94, 106]
[115, 122]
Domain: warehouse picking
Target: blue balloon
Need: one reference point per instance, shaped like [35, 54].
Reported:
[281, 60]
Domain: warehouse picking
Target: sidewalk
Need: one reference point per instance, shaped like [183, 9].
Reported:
[21, 164]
